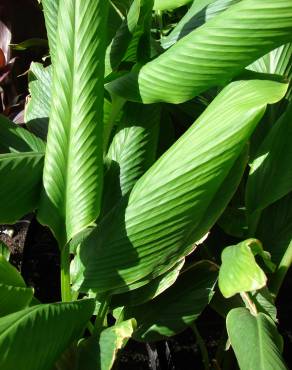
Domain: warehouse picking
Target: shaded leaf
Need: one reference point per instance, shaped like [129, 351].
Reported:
[175, 309]
[47, 329]
[100, 353]
[210, 55]
[38, 108]
[181, 196]
[21, 175]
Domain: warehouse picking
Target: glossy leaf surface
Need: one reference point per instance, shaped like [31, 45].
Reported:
[211, 55]
[166, 211]
[73, 165]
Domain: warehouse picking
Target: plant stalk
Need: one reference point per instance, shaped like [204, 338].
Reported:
[101, 315]
[279, 275]
[203, 348]
[65, 275]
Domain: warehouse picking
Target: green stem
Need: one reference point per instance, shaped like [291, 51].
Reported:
[65, 274]
[101, 315]
[279, 275]
[203, 348]
[249, 303]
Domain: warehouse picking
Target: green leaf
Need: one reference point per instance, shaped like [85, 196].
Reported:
[278, 61]
[73, 164]
[38, 108]
[133, 147]
[255, 340]
[16, 139]
[148, 291]
[4, 250]
[21, 175]
[180, 197]
[169, 4]
[13, 299]
[211, 55]
[9, 274]
[239, 271]
[273, 161]
[34, 338]
[51, 8]
[178, 307]
[199, 13]
[265, 303]
[100, 353]
[275, 227]
[30, 43]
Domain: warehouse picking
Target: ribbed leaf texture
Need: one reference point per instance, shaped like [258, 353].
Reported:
[51, 8]
[34, 338]
[171, 205]
[210, 55]
[38, 108]
[255, 340]
[73, 164]
[21, 175]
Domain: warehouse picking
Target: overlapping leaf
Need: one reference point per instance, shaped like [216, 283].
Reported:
[176, 308]
[273, 161]
[169, 4]
[210, 55]
[16, 139]
[133, 147]
[255, 340]
[199, 13]
[34, 338]
[37, 110]
[180, 197]
[73, 165]
[51, 8]
[20, 188]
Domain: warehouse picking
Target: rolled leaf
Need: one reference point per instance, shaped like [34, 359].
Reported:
[211, 55]
[73, 167]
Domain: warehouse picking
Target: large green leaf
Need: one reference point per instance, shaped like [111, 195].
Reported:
[9, 274]
[200, 12]
[270, 176]
[16, 139]
[37, 110]
[239, 271]
[20, 186]
[180, 197]
[73, 163]
[210, 55]
[255, 340]
[176, 308]
[34, 338]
